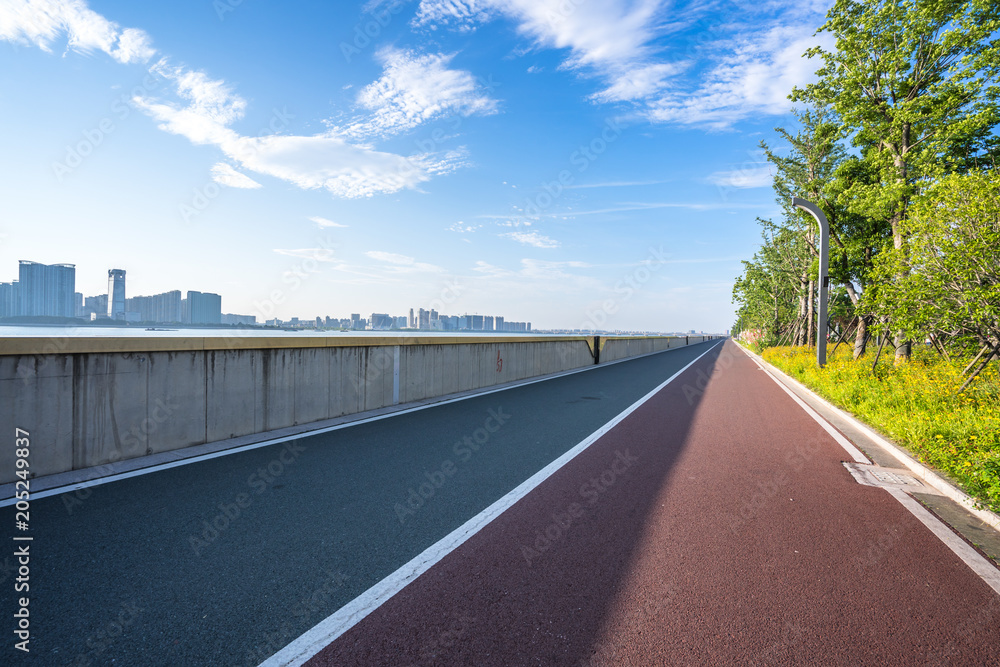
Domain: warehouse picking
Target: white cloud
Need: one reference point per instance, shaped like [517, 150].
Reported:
[750, 177]
[310, 162]
[614, 184]
[610, 39]
[538, 275]
[224, 174]
[206, 108]
[458, 14]
[533, 239]
[413, 89]
[621, 43]
[402, 263]
[463, 228]
[753, 77]
[323, 222]
[40, 22]
[316, 254]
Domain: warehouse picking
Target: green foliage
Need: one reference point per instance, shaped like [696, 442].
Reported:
[914, 83]
[917, 405]
[951, 288]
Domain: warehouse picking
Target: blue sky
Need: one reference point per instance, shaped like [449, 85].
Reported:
[573, 163]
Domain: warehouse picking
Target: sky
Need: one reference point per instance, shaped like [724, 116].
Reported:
[572, 163]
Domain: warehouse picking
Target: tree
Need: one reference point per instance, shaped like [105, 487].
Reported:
[951, 291]
[818, 168]
[915, 85]
[766, 289]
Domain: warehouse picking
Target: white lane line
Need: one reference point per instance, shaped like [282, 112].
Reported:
[77, 486]
[848, 446]
[982, 567]
[927, 475]
[345, 618]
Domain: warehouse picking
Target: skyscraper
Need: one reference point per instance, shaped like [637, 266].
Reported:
[116, 294]
[45, 289]
[202, 308]
[10, 301]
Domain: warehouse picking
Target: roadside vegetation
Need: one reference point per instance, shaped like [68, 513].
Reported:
[897, 142]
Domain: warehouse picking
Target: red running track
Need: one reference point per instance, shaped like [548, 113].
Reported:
[713, 527]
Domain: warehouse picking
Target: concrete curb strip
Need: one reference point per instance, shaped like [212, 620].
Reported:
[926, 474]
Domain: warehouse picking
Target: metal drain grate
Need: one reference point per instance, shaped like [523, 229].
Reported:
[892, 478]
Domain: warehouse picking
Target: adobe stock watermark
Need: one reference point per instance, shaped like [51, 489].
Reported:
[590, 493]
[307, 607]
[464, 450]
[416, 164]
[54, 346]
[258, 482]
[878, 549]
[649, 609]
[294, 278]
[369, 28]
[749, 174]
[626, 288]
[382, 359]
[202, 197]
[444, 638]
[136, 437]
[765, 492]
[581, 158]
[93, 137]
[108, 634]
[223, 7]
[695, 389]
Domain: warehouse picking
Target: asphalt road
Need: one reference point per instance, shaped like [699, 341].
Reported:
[224, 562]
[714, 527]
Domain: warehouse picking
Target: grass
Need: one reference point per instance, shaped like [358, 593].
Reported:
[917, 405]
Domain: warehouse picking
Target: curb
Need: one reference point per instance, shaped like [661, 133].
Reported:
[928, 475]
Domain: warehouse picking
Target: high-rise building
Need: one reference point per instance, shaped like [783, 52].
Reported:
[356, 321]
[202, 308]
[412, 323]
[95, 307]
[488, 323]
[498, 324]
[45, 289]
[423, 319]
[380, 321]
[166, 307]
[116, 294]
[10, 299]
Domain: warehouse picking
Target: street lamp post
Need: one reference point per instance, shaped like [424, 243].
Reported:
[824, 270]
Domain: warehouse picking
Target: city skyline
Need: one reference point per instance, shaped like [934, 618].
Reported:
[595, 175]
[44, 290]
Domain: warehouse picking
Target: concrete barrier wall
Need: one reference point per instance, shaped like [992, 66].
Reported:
[100, 400]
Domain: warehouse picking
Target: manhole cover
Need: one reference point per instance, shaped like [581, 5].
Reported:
[893, 478]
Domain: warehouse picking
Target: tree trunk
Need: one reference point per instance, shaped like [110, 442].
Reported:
[861, 337]
[903, 347]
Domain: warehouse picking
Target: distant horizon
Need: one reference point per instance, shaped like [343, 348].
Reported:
[255, 331]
